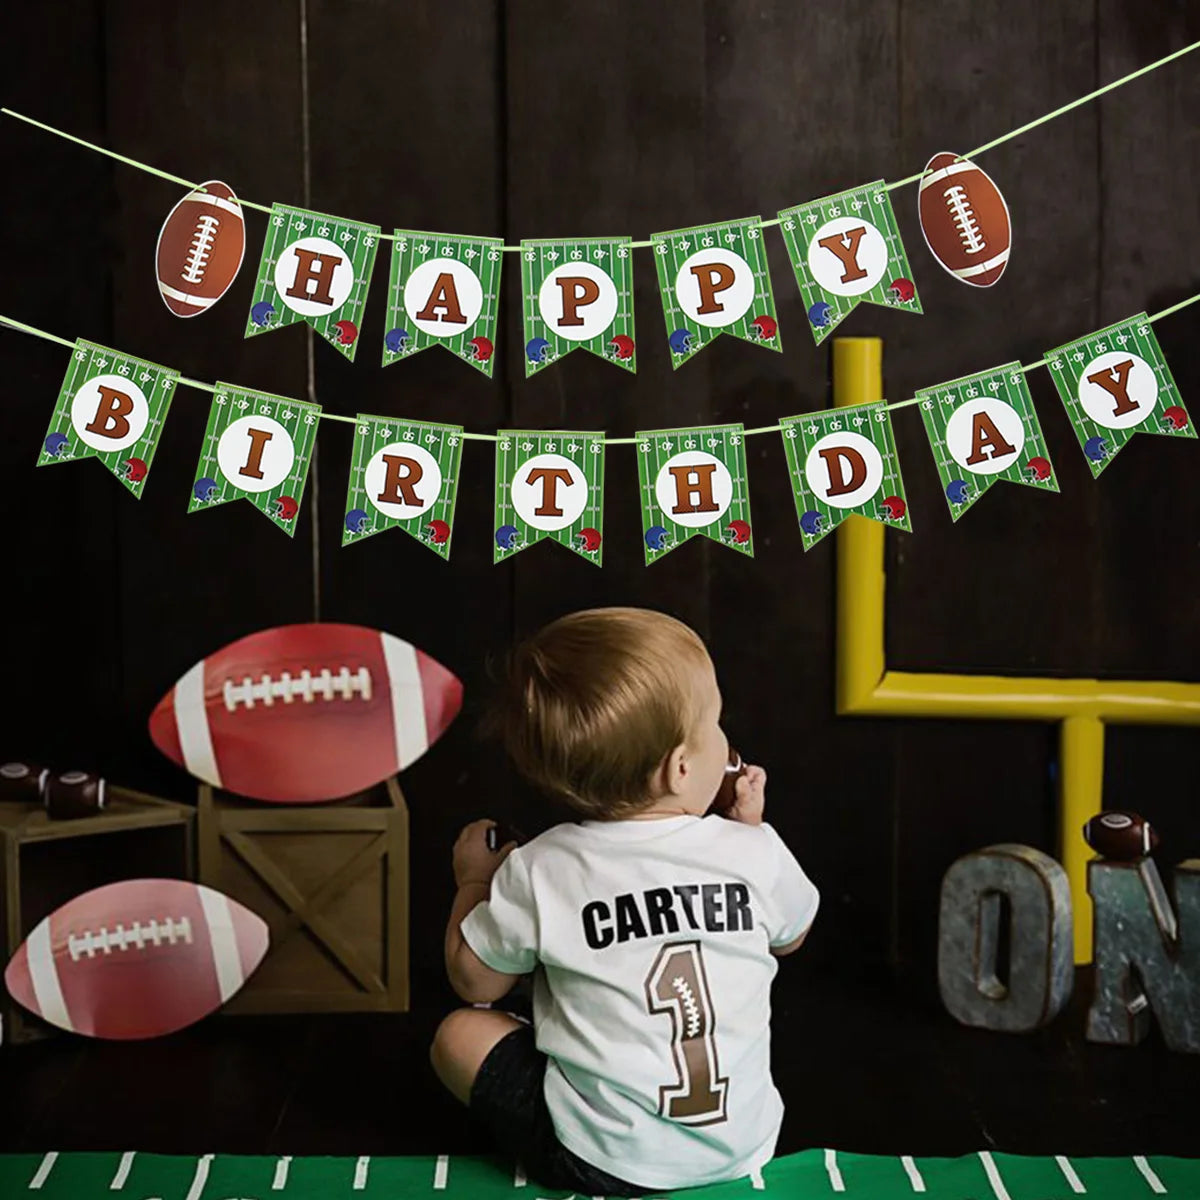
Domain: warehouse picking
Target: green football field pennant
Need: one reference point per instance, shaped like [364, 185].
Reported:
[577, 292]
[693, 481]
[714, 279]
[314, 268]
[846, 250]
[982, 428]
[1116, 383]
[257, 447]
[403, 473]
[843, 461]
[549, 483]
[444, 291]
[111, 407]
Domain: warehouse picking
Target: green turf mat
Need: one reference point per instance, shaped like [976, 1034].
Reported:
[983, 1176]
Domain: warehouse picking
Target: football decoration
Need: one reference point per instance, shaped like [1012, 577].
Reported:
[305, 713]
[137, 959]
[200, 249]
[965, 220]
[1122, 836]
[74, 794]
[726, 796]
[22, 782]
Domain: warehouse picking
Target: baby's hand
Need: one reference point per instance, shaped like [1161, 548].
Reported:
[473, 861]
[751, 791]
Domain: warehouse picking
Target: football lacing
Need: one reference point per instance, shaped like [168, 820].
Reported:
[691, 1009]
[202, 241]
[324, 685]
[964, 218]
[122, 937]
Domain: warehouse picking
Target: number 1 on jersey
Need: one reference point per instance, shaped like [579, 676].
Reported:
[678, 985]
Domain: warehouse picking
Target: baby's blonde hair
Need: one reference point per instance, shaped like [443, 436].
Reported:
[593, 703]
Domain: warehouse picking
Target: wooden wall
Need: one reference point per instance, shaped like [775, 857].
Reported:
[539, 119]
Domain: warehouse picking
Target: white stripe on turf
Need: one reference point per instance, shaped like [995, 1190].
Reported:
[200, 1178]
[835, 1174]
[360, 1172]
[440, 1171]
[1064, 1165]
[519, 1179]
[123, 1169]
[1156, 1184]
[282, 1167]
[993, 1174]
[914, 1176]
[47, 1165]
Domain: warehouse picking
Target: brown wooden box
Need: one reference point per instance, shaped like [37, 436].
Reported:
[331, 881]
[46, 863]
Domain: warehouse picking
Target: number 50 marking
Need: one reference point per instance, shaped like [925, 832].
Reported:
[678, 985]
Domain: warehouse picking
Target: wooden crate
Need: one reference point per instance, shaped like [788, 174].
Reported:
[331, 881]
[46, 863]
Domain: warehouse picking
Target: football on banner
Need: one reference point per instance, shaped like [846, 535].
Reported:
[305, 713]
[200, 248]
[137, 959]
[965, 220]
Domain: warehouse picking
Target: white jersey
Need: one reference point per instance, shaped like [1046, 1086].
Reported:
[653, 1002]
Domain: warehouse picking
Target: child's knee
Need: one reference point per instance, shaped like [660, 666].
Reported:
[449, 1039]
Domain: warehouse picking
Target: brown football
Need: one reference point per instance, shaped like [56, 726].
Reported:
[1120, 835]
[200, 249]
[726, 796]
[965, 220]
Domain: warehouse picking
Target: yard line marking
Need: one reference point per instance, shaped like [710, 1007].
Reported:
[1156, 1184]
[756, 1180]
[281, 1173]
[126, 1165]
[914, 1176]
[1065, 1167]
[201, 1177]
[989, 1165]
[360, 1172]
[440, 1171]
[46, 1167]
[519, 1179]
[835, 1175]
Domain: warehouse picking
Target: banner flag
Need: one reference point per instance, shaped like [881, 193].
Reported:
[577, 292]
[314, 268]
[403, 473]
[846, 250]
[549, 483]
[694, 481]
[714, 279]
[444, 290]
[982, 428]
[843, 461]
[110, 406]
[1116, 383]
[258, 447]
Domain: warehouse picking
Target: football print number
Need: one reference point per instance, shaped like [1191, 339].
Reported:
[678, 986]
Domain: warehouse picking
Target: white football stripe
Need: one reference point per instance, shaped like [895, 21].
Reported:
[187, 297]
[980, 268]
[43, 974]
[43, 1171]
[126, 1164]
[224, 941]
[945, 173]
[216, 202]
[191, 723]
[408, 704]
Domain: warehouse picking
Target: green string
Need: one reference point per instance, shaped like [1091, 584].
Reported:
[390, 237]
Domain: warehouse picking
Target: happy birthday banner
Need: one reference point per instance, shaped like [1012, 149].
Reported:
[577, 293]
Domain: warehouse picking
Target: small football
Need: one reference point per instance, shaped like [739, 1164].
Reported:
[74, 794]
[726, 796]
[137, 959]
[200, 249]
[305, 713]
[23, 782]
[965, 220]
[1120, 835]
